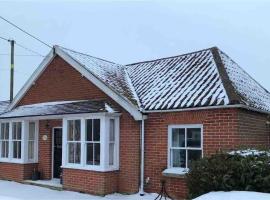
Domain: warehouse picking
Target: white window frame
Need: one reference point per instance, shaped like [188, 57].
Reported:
[27, 129]
[24, 142]
[184, 126]
[104, 143]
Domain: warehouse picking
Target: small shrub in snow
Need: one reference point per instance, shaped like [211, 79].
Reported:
[227, 172]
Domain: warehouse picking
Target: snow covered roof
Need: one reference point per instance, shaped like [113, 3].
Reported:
[205, 78]
[199, 79]
[3, 106]
[59, 108]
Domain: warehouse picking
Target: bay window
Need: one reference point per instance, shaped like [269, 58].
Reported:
[91, 142]
[18, 141]
[185, 145]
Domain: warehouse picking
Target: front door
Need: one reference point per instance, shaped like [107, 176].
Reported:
[57, 152]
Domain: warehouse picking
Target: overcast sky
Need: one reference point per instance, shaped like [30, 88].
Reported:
[131, 31]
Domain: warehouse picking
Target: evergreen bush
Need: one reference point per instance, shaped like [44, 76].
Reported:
[227, 172]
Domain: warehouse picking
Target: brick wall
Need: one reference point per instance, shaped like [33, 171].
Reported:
[16, 172]
[99, 183]
[223, 129]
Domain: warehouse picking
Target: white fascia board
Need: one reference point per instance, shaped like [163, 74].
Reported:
[42, 66]
[137, 115]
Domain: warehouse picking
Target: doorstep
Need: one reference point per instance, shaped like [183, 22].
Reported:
[51, 184]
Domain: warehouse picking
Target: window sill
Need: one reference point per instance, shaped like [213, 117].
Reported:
[17, 161]
[175, 172]
[90, 168]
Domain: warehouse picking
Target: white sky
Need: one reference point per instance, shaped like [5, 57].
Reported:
[132, 31]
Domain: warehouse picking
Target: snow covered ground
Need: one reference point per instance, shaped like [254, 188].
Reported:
[235, 195]
[16, 191]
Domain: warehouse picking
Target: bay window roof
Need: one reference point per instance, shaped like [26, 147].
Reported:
[3, 106]
[60, 108]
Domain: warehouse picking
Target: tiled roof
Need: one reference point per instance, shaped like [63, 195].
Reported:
[59, 108]
[198, 79]
[3, 106]
[190, 80]
[112, 74]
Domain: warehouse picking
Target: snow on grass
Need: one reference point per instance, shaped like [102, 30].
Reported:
[234, 195]
[249, 152]
[17, 191]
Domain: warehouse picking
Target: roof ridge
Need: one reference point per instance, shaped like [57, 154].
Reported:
[87, 55]
[184, 54]
[234, 97]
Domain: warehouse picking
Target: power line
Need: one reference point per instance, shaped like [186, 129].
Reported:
[26, 55]
[25, 32]
[4, 39]
[27, 49]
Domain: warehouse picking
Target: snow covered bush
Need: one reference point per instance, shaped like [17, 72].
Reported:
[227, 172]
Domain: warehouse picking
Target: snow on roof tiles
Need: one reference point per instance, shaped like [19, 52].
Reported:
[3, 106]
[190, 80]
[198, 79]
[112, 74]
[251, 93]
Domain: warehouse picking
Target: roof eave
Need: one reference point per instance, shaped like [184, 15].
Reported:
[209, 108]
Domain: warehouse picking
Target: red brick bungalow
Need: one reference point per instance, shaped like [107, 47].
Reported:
[113, 128]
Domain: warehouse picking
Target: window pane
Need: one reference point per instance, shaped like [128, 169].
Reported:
[178, 137]
[194, 137]
[77, 133]
[178, 158]
[6, 131]
[89, 154]
[31, 149]
[17, 149]
[19, 131]
[112, 130]
[193, 155]
[70, 130]
[111, 154]
[96, 154]
[32, 130]
[71, 152]
[78, 153]
[4, 149]
[14, 131]
[2, 132]
[96, 130]
[89, 130]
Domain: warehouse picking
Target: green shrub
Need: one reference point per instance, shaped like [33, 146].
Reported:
[225, 172]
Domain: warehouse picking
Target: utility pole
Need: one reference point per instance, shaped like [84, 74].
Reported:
[12, 42]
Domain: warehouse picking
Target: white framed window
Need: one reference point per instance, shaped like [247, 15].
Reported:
[16, 140]
[4, 140]
[98, 141]
[74, 141]
[185, 144]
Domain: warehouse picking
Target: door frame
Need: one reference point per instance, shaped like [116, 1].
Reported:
[57, 127]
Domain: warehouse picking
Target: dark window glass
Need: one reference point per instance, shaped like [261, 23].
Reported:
[178, 137]
[96, 130]
[194, 137]
[179, 158]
